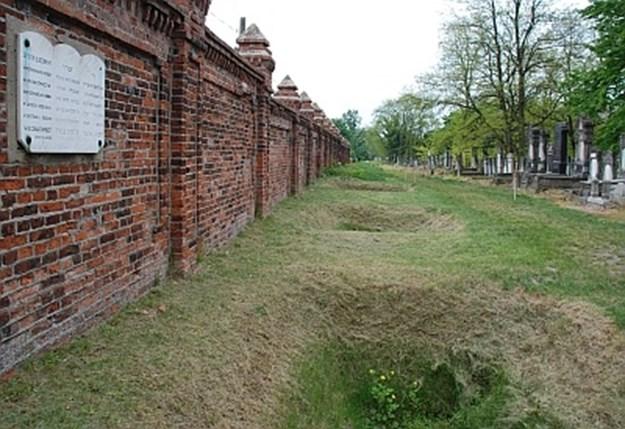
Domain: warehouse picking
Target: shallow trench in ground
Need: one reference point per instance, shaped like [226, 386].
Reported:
[563, 360]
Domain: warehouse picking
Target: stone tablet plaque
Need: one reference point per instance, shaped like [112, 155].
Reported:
[60, 97]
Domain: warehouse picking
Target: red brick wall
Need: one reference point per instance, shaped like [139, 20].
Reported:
[280, 155]
[226, 200]
[195, 149]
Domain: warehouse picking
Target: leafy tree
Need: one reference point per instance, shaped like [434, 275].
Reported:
[402, 126]
[350, 125]
[600, 91]
[462, 131]
[502, 60]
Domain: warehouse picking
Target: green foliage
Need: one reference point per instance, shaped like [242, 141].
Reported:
[462, 131]
[364, 171]
[350, 125]
[384, 407]
[600, 91]
[505, 62]
[336, 391]
[402, 126]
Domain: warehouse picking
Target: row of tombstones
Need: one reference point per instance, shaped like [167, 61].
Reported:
[587, 162]
[491, 166]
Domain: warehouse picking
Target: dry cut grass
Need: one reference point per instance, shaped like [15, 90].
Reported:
[395, 264]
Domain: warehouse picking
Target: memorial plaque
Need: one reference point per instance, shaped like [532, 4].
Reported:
[60, 97]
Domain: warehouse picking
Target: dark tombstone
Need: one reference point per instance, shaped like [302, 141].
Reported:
[534, 145]
[549, 158]
[560, 149]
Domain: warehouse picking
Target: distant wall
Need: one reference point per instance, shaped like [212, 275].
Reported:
[196, 149]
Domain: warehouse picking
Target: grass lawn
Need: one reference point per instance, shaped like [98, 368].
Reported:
[511, 312]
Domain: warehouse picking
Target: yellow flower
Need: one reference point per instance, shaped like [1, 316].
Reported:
[371, 372]
[382, 377]
[392, 372]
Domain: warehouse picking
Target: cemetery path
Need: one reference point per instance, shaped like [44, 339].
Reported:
[367, 254]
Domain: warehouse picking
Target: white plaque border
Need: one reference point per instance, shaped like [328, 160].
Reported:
[16, 32]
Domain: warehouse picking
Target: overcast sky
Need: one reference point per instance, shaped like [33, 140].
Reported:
[347, 54]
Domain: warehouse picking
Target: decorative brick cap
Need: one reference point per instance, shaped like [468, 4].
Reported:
[287, 84]
[252, 35]
[254, 48]
[319, 115]
[287, 90]
[306, 108]
[287, 94]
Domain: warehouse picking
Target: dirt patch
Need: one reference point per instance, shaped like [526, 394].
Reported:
[361, 185]
[385, 219]
[566, 199]
[612, 258]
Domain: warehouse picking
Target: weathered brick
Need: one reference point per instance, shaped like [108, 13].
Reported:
[39, 182]
[27, 265]
[69, 250]
[9, 258]
[54, 280]
[24, 211]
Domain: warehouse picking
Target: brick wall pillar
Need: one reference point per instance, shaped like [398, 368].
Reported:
[184, 152]
[295, 185]
[263, 112]
[288, 96]
[254, 48]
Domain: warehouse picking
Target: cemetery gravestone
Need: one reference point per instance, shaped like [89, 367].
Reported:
[584, 143]
[560, 149]
[608, 172]
[622, 157]
[542, 151]
[594, 166]
[532, 155]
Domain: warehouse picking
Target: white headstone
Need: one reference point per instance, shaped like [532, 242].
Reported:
[60, 97]
[608, 173]
[594, 166]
